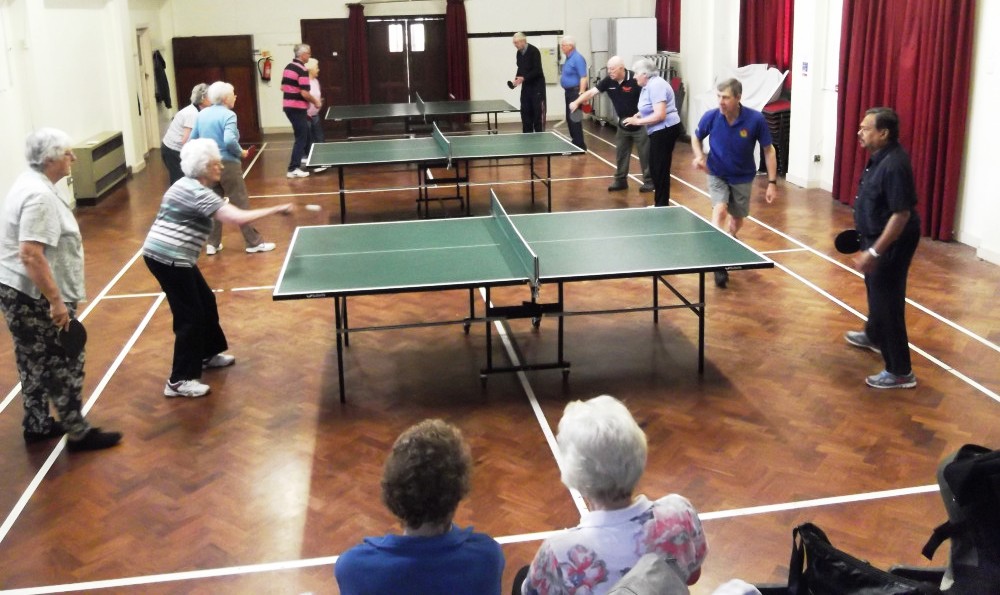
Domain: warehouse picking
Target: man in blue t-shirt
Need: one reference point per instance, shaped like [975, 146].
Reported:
[573, 81]
[735, 130]
[624, 92]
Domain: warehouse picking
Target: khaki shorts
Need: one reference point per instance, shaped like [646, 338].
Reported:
[735, 196]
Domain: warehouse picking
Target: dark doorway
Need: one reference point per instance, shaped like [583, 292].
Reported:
[227, 58]
[407, 55]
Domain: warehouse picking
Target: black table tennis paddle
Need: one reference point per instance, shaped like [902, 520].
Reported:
[848, 241]
[510, 84]
[73, 338]
[576, 115]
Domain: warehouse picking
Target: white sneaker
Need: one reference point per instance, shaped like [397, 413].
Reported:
[212, 250]
[297, 173]
[261, 247]
[219, 360]
[185, 388]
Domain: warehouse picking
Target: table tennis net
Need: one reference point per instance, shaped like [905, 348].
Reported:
[442, 142]
[514, 241]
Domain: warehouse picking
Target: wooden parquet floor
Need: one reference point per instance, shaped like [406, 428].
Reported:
[258, 487]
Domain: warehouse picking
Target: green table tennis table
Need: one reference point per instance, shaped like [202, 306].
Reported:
[454, 153]
[420, 112]
[535, 250]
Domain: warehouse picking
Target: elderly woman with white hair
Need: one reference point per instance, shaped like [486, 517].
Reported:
[602, 454]
[41, 283]
[658, 113]
[171, 250]
[180, 130]
[218, 122]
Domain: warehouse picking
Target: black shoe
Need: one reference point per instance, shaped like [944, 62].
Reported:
[55, 430]
[647, 187]
[94, 439]
[721, 278]
[618, 185]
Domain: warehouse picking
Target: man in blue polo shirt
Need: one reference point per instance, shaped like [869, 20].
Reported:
[735, 130]
[573, 81]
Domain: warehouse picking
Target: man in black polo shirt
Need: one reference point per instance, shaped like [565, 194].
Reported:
[886, 218]
[624, 93]
[531, 79]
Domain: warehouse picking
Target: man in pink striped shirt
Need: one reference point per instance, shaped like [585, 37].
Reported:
[295, 100]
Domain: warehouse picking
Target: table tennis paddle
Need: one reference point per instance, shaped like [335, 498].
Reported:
[848, 241]
[576, 115]
[73, 338]
[510, 84]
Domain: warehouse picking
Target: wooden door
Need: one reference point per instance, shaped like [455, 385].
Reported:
[407, 55]
[328, 40]
[227, 58]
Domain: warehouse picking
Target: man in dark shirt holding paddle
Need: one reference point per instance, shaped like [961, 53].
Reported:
[624, 93]
[531, 79]
[889, 228]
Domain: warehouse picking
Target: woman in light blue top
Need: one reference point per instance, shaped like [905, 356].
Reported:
[658, 113]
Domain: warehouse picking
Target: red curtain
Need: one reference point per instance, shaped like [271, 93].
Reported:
[914, 56]
[457, 40]
[668, 25]
[766, 33]
[357, 47]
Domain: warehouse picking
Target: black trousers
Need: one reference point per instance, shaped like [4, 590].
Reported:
[575, 128]
[661, 156]
[301, 130]
[533, 110]
[172, 159]
[197, 332]
[886, 286]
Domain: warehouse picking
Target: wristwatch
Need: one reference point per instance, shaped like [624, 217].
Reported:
[871, 250]
[775, 182]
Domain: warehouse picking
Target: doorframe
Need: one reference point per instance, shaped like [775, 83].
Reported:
[147, 90]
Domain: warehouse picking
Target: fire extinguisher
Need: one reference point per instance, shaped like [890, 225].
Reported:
[264, 68]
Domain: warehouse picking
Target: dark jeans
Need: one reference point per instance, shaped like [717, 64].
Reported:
[661, 155]
[172, 159]
[300, 127]
[197, 333]
[575, 128]
[886, 285]
[315, 133]
[533, 110]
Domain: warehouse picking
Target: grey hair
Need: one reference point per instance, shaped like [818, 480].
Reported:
[219, 91]
[602, 449]
[615, 61]
[732, 85]
[197, 154]
[519, 36]
[198, 94]
[569, 40]
[301, 48]
[44, 145]
[645, 66]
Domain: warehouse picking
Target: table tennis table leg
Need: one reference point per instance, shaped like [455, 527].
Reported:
[468, 176]
[341, 324]
[343, 195]
[656, 299]
[489, 338]
[531, 161]
[548, 181]
[701, 323]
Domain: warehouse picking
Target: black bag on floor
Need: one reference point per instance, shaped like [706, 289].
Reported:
[970, 488]
[818, 568]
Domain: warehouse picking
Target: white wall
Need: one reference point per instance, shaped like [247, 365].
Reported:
[979, 199]
[709, 45]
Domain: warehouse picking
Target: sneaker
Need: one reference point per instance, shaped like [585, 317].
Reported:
[886, 379]
[618, 185]
[55, 430]
[320, 169]
[212, 250]
[647, 187]
[185, 388]
[261, 247]
[721, 278]
[860, 339]
[297, 173]
[94, 439]
[219, 360]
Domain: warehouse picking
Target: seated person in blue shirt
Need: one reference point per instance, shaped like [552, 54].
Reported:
[425, 477]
